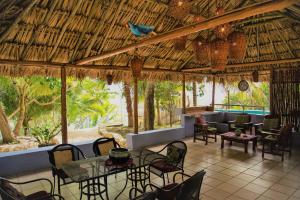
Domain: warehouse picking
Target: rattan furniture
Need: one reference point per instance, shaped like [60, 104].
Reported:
[243, 139]
[243, 122]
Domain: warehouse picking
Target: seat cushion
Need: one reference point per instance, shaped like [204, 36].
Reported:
[212, 129]
[164, 166]
[42, 195]
[201, 120]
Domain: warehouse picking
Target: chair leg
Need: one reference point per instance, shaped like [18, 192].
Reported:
[168, 178]
[54, 184]
[163, 177]
[263, 151]
[58, 184]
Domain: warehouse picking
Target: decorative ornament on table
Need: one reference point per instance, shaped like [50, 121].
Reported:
[238, 43]
[219, 54]
[140, 30]
[255, 76]
[243, 85]
[201, 50]
[136, 67]
[179, 9]
[109, 79]
[180, 42]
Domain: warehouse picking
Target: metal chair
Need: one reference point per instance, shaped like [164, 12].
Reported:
[102, 146]
[187, 190]
[174, 160]
[9, 192]
[60, 155]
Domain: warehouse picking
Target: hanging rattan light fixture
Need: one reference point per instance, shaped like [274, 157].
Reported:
[199, 18]
[223, 30]
[180, 42]
[179, 9]
[136, 67]
[109, 79]
[237, 45]
[201, 49]
[219, 54]
[255, 76]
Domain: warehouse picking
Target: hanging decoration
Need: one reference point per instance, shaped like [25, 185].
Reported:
[219, 54]
[199, 18]
[237, 43]
[179, 9]
[201, 49]
[255, 76]
[109, 79]
[180, 42]
[136, 67]
[243, 85]
[223, 30]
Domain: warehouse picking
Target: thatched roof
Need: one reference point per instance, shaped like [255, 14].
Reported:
[64, 31]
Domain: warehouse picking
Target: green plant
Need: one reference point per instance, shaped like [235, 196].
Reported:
[45, 133]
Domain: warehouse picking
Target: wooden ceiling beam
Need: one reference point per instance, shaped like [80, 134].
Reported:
[235, 15]
[270, 62]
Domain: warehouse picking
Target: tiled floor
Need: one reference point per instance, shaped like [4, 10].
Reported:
[230, 174]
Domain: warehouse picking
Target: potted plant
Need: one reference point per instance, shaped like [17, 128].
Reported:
[238, 132]
[44, 134]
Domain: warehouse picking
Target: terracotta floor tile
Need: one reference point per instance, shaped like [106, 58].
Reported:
[246, 194]
[274, 195]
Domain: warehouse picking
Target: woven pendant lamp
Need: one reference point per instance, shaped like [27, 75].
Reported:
[136, 67]
[237, 45]
[179, 9]
[109, 79]
[201, 50]
[219, 54]
[223, 30]
[180, 42]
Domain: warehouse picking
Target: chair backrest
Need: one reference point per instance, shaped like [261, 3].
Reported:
[8, 192]
[242, 118]
[285, 134]
[102, 146]
[176, 152]
[64, 153]
[190, 188]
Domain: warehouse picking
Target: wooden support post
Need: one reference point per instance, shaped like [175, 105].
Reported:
[213, 93]
[183, 94]
[228, 99]
[64, 124]
[271, 107]
[135, 106]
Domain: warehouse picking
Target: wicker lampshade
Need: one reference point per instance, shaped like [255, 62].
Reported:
[180, 42]
[237, 43]
[136, 67]
[201, 49]
[219, 54]
[109, 79]
[255, 76]
[223, 30]
[179, 9]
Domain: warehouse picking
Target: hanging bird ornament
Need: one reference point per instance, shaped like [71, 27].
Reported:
[140, 30]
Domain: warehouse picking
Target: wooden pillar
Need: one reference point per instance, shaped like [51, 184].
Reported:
[64, 124]
[228, 99]
[271, 108]
[183, 94]
[213, 93]
[135, 106]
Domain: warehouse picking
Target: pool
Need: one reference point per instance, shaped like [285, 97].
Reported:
[256, 112]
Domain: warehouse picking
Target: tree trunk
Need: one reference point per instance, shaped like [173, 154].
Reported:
[7, 134]
[170, 117]
[158, 112]
[22, 112]
[126, 88]
[194, 94]
[149, 113]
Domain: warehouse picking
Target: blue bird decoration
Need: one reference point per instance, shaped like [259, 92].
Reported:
[140, 30]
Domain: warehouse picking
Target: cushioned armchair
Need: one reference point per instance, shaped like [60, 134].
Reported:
[278, 142]
[189, 189]
[204, 130]
[269, 123]
[8, 191]
[243, 122]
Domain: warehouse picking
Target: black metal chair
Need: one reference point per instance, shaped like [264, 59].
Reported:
[187, 190]
[9, 192]
[102, 146]
[174, 160]
[60, 155]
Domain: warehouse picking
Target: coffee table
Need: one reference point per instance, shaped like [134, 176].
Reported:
[243, 139]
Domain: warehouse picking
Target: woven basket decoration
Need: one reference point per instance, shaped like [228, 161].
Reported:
[109, 79]
[201, 49]
[219, 54]
[255, 76]
[223, 30]
[180, 42]
[179, 9]
[237, 45]
[136, 67]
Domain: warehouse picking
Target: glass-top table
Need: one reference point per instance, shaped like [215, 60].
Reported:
[91, 169]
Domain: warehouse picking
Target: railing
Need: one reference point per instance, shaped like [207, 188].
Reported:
[230, 106]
